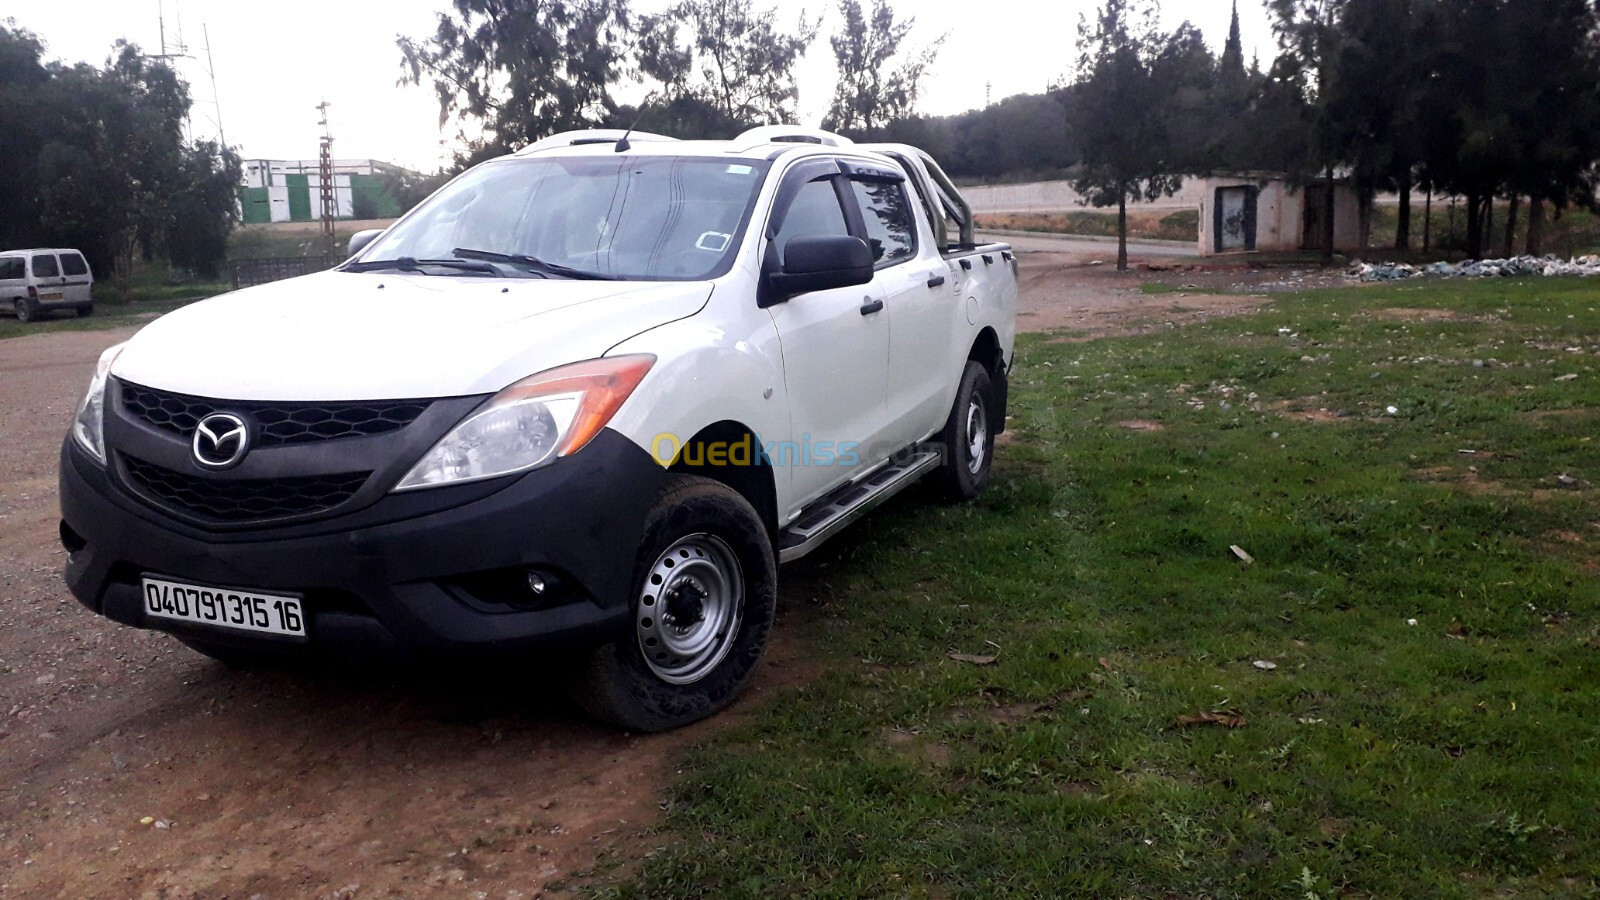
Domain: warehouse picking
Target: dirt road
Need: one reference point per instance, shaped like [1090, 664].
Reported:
[332, 783]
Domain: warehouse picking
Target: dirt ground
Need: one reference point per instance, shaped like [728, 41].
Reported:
[133, 767]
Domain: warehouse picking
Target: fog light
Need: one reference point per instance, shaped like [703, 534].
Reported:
[536, 583]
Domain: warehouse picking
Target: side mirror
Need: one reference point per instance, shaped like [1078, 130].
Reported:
[821, 263]
[361, 239]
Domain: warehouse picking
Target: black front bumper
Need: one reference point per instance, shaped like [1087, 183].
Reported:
[435, 571]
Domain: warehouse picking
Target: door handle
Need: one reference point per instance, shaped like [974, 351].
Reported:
[872, 307]
[935, 281]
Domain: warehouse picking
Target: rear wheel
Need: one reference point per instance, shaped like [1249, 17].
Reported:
[705, 590]
[26, 310]
[968, 436]
[85, 310]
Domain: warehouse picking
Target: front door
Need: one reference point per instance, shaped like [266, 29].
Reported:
[835, 361]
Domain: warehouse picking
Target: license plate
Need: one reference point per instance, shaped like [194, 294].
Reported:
[51, 296]
[224, 607]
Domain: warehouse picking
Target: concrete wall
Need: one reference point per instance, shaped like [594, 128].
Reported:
[1058, 196]
[1280, 208]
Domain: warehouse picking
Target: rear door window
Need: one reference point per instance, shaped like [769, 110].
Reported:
[44, 266]
[891, 228]
[73, 264]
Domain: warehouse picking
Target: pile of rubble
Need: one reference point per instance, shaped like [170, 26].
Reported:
[1549, 266]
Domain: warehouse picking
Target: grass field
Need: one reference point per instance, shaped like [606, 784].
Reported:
[292, 239]
[1390, 691]
[151, 295]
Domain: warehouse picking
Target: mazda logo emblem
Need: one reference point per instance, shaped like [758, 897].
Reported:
[220, 441]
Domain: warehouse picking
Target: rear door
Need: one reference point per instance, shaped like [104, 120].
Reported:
[76, 282]
[13, 279]
[920, 302]
[47, 278]
[835, 347]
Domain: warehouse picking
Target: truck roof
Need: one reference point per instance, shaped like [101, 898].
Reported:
[764, 143]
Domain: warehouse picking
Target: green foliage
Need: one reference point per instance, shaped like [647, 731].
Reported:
[872, 91]
[1451, 757]
[95, 159]
[510, 75]
[1138, 88]
[521, 72]
[727, 55]
[1479, 98]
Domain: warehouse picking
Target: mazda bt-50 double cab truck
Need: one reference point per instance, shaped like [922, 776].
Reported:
[581, 401]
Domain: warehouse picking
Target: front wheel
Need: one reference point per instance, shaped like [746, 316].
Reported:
[968, 437]
[705, 592]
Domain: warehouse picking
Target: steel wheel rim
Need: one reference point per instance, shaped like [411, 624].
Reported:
[690, 608]
[977, 434]
[21, 308]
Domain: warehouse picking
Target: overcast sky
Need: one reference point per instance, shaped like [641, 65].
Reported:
[275, 62]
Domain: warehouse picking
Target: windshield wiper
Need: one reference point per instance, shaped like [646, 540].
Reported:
[532, 262]
[407, 264]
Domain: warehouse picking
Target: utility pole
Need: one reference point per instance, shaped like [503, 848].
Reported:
[216, 99]
[330, 207]
[988, 93]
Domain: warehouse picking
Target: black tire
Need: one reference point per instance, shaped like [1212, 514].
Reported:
[721, 559]
[26, 310]
[967, 441]
[85, 310]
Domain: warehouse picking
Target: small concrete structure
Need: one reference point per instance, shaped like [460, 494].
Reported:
[1264, 213]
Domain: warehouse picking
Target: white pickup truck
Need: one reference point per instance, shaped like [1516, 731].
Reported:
[582, 401]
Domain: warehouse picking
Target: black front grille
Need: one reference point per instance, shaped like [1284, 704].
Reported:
[280, 423]
[242, 500]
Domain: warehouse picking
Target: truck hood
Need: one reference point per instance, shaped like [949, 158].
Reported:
[390, 336]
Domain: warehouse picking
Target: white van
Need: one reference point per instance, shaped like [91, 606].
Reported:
[36, 281]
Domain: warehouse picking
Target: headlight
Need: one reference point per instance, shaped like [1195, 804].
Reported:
[88, 426]
[531, 423]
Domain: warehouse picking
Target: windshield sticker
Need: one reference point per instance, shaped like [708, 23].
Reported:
[740, 170]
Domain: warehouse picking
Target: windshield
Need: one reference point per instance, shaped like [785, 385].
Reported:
[617, 216]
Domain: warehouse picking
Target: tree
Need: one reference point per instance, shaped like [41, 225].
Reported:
[1232, 63]
[1309, 38]
[22, 76]
[1119, 111]
[724, 53]
[871, 91]
[95, 159]
[203, 208]
[1373, 100]
[521, 71]
[1555, 127]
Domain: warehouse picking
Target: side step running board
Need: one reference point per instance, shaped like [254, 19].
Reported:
[838, 509]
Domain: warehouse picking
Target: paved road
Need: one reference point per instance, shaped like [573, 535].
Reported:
[1053, 243]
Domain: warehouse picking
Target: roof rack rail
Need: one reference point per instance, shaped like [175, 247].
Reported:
[588, 136]
[791, 134]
